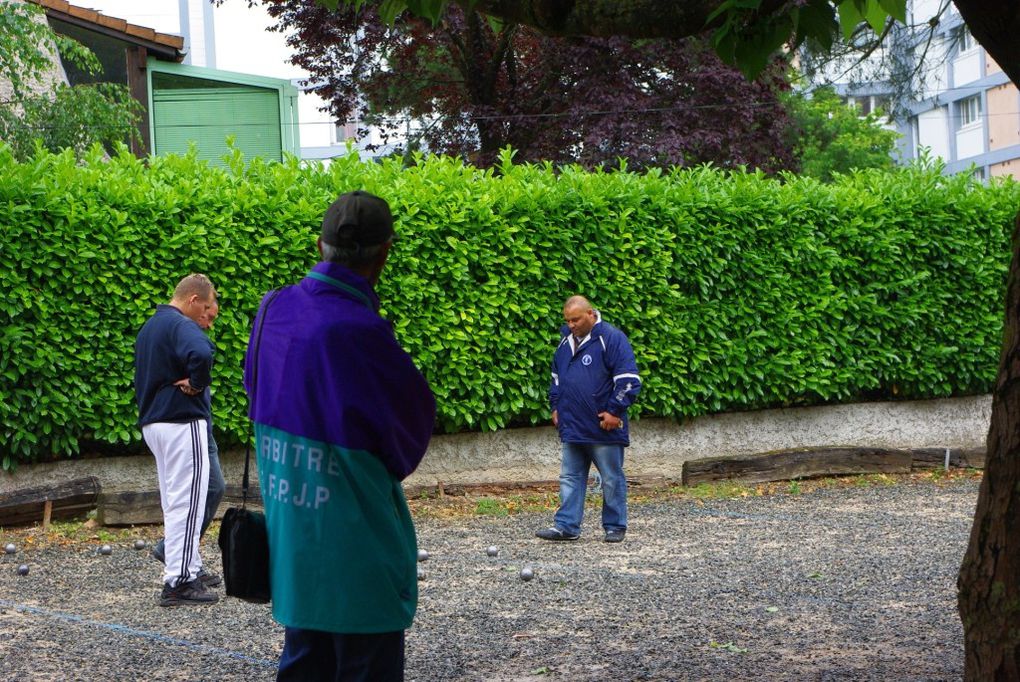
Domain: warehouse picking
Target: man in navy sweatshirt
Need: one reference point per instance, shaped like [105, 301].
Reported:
[594, 380]
[217, 484]
[173, 370]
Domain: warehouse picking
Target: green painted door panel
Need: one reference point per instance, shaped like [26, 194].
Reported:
[206, 116]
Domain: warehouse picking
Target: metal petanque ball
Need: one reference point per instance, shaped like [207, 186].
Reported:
[106, 550]
[23, 569]
[492, 551]
[527, 573]
[139, 544]
[422, 555]
[10, 548]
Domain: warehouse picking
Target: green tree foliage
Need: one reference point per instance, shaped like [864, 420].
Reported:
[71, 118]
[737, 291]
[829, 137]
[745, 33]
[66, 117]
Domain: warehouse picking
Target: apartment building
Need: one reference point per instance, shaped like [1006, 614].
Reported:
[961, 107]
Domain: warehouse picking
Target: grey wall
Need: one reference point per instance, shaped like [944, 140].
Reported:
[659, 446]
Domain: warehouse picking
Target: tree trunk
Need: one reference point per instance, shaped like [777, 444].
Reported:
[989, 580]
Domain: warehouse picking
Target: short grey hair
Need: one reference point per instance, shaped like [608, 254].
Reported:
[195, 284]
[353, 257]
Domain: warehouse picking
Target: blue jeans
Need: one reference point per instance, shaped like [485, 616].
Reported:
[315, 656]
[217, 487]
[574, 468]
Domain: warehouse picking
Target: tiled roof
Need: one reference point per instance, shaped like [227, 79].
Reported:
[132, 33]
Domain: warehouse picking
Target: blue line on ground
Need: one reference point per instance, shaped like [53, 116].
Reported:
[123, 629]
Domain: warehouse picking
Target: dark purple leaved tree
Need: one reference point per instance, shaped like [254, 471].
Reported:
[479, 86]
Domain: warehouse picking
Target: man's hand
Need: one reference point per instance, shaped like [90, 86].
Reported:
[609, 421]
[186, 388]
[556, 419]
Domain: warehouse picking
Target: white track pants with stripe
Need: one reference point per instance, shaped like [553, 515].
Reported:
[182, 464]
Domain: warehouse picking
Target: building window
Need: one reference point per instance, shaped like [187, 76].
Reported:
[870, 104]
[967, 42]
[346, 131]
[970, 111]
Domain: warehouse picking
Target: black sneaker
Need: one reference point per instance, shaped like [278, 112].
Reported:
[209, 579]
[187, 594]
[615, 535]
[555, 533]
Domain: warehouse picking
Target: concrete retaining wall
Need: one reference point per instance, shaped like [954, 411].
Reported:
[660, 446]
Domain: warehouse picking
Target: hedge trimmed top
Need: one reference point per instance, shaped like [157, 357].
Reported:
[737, 291]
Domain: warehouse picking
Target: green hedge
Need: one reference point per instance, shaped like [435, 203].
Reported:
[737, 291]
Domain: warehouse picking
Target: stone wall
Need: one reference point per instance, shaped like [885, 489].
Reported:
[659, 446]
[48, 80]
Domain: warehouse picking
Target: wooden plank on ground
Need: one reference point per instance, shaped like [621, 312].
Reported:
[786, 465]
[129, 508]
[140, 508]
[69, 499]
[935, 458]
[973, 457]
[232, 497]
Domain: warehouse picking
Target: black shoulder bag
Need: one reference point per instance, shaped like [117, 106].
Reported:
[243, 539]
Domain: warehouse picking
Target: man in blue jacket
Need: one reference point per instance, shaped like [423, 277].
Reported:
[173, 370]
[341, 416]
[594, 380]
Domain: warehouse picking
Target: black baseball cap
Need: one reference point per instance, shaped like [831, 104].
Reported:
[357, 219]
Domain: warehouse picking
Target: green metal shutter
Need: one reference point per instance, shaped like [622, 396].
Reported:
[206, 116]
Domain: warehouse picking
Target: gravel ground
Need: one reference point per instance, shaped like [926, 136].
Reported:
[843, 583]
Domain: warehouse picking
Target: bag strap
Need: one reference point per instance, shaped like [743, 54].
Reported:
[251, 398]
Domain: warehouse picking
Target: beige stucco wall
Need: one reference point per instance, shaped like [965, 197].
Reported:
[1005, 168]
[1003, 116]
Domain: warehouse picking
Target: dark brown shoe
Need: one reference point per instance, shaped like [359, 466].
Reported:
[187, 594]
[209, 579]
[615, 535]
[555, 534]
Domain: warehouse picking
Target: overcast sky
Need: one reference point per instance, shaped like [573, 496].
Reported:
[242, 43]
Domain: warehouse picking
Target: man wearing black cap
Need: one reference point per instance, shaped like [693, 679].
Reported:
[341, 417]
